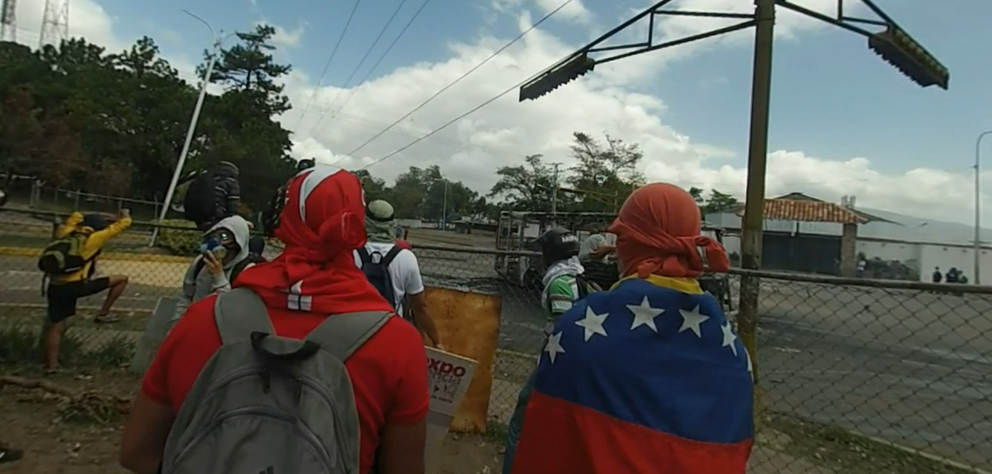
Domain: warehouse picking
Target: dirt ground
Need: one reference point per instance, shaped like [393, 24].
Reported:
[30, 420]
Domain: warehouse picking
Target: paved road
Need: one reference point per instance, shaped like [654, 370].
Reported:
[904, 366]
[913, 368]
[522, 319]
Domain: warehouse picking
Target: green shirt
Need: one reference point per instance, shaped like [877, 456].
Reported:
[562, 292]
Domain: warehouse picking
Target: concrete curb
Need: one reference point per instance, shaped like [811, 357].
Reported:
[917, 452]
[515, 354]
[86, 307]
[127, 257]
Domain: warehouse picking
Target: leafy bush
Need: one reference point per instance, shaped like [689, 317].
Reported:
[179, 242]
[19, 345]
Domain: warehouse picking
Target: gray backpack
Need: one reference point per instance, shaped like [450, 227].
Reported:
[271, 405]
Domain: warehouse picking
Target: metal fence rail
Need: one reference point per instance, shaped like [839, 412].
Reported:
[853, 375]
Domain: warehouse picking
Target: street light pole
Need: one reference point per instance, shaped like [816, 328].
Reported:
[554, 194]
[444, 207]
[757, 161]
[978, 210]
[191, 130]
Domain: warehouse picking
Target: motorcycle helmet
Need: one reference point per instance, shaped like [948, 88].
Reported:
[558, 244]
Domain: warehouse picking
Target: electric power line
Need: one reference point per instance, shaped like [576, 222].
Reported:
[442, 127]
[329, 59]
[366, 56]
[456, 81]
[379, 61]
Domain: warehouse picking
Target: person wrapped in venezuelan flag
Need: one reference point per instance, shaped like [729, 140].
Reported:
[648, 377]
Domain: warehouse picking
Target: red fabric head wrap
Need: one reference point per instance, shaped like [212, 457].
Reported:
[322, 222]
[658, 233]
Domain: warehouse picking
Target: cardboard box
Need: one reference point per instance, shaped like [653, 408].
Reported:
[448, 377]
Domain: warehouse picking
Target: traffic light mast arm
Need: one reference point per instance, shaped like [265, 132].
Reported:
[893, 44]
[688, 39]
[579, 62]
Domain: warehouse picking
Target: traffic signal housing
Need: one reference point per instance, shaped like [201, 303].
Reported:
[909, 57]
[558, 75]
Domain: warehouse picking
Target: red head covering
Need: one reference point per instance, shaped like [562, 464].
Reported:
[658, 233]
[321, 223]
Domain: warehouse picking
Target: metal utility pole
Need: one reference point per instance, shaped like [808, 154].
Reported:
[191, 130]
[892, 44]
[444, 207]
[757, 161]
[8, 21]
[54, 23]
[978, 207]
[554, 193]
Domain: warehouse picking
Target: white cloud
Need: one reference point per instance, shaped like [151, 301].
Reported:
[87, 19]
[505, 131]
[288, 39]
[574, 10]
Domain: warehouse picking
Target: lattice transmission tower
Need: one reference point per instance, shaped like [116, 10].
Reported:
[8, 20]
[55, 23]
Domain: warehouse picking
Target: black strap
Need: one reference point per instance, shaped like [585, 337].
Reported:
[363, 254]
[366, 257]
[393, 252]
[582, 285]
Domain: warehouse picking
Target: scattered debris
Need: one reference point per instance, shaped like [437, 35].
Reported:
[89, 406]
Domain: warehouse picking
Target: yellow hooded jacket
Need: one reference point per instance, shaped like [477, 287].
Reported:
[95, 241]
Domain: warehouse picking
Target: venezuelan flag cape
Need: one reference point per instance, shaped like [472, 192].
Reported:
[642, 379]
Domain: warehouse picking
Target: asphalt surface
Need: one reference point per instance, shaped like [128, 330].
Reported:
[912, 368]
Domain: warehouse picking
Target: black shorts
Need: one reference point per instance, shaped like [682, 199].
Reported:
[62, 298]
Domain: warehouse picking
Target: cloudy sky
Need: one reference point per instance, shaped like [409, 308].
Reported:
[843, 122]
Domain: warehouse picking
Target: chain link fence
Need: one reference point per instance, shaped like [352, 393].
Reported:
[854, 376]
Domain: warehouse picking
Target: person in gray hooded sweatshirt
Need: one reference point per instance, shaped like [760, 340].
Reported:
[223, 255]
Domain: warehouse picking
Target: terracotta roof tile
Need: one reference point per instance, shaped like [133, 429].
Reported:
[809, 211]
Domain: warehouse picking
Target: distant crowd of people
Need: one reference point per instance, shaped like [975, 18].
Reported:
[314, 360]
[953, 275]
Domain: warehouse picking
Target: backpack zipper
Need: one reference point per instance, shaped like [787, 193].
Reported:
[301, 428]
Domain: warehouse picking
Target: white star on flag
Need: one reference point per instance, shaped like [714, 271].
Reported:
[750, 365]
[644, 315]
[692, 319]
[728, 339]
[592, 323]
[553, 348]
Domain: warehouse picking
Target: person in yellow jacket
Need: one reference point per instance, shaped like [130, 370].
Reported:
[65, 290]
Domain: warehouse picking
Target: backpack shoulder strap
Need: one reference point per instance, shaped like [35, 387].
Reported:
[342, 334]
[363, 254]
[238, 313]
[240, 267]
[393, 252]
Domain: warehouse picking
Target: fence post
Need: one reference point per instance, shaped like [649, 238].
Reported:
[75, 202]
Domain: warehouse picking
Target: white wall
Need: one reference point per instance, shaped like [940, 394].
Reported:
[410, 223]
[901, 251]
[962, 258]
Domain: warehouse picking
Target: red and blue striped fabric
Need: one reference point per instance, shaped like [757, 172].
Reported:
[641, 379]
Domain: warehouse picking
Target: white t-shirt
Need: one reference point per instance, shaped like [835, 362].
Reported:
[590, 245]
[404, 271]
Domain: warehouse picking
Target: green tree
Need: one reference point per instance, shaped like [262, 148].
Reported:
[375, 188]
[240, 128]
[33, 144]
[248, 67]
[697, 195]
[719, 202]
[526, 187]
[605, 174]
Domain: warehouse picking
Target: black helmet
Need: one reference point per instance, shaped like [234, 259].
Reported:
[305, 164]
[558, 244]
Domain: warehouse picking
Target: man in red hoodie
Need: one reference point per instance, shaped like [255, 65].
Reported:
[321, 223]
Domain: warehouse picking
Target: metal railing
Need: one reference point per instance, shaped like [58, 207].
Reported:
[853, 375]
